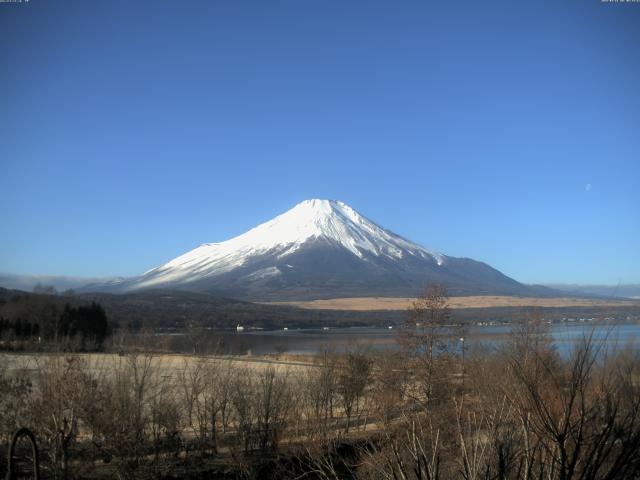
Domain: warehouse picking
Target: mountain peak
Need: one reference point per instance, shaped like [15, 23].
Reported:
[319, 203]
[328, 221]
[338, 223]
[320, 247]
[319, 212]
[316, 207]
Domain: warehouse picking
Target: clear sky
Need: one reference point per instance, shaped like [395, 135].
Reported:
[508, 132]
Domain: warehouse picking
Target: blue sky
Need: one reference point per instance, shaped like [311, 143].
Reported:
[504, 131]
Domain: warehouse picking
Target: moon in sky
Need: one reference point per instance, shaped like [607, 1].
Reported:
[587, 187]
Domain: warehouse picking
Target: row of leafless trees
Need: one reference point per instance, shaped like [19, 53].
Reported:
[422, 412]
[522, 412]
[140, 409]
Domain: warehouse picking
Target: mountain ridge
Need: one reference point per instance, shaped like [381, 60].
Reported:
[321, 249]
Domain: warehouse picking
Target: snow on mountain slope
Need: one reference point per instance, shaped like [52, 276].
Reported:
[320, 249]
[312, 219]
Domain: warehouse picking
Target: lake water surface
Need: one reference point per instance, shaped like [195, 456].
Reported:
[311, 341]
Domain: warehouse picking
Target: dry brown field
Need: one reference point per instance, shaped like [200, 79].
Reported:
[391, 303]
[166, 365]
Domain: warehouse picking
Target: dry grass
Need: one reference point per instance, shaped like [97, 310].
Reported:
[166, 364]
[390, 303]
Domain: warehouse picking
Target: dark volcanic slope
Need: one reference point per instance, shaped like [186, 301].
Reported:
[321, 269]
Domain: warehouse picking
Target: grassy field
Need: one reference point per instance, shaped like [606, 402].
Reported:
[390, 303]
[167, 365]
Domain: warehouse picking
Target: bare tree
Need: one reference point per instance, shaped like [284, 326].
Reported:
[15, 392]
[320, 390]
[242, 392]
[389, 386]
[165, 417]
[581, 425]
[121, 422]
[353, 379]
[426, 336]
[193, 382]
[273, 400]
[408, 450]
[61, 383]
[530, 340]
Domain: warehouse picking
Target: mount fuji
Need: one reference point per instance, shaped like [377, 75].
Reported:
[320, 249]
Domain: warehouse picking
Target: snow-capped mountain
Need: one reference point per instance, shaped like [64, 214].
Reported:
[319, 249]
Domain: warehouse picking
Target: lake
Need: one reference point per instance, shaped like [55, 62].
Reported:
[311, 341]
